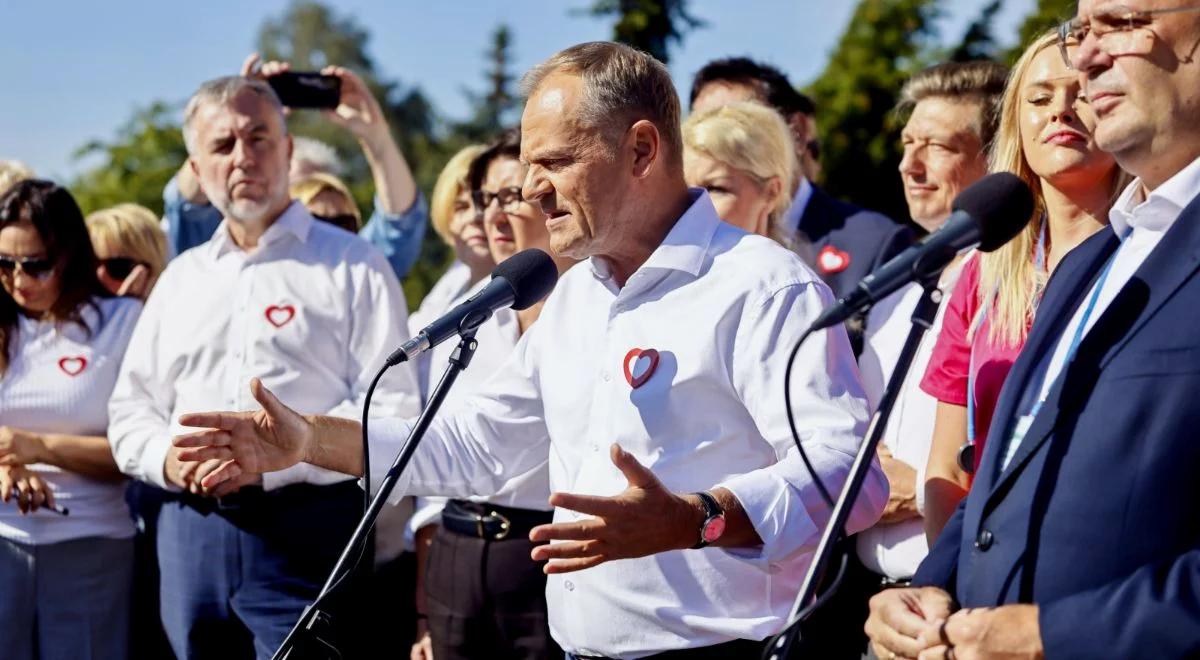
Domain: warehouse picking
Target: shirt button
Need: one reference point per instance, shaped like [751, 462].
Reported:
[984, 540]
[606, 376]
[569, 585]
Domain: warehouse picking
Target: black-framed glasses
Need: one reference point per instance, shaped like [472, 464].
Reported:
[346, 221]
[119, 268]
[1119, 30]
[38, 268]
[510, 199]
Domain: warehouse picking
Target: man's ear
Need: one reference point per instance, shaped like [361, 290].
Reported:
[646, 147]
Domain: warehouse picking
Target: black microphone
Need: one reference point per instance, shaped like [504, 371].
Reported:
[518, 282]
[989, 212]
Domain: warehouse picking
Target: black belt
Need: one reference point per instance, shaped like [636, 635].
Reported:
[737, 648]
[491, 521]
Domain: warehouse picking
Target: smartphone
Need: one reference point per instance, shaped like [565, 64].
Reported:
[307, 89]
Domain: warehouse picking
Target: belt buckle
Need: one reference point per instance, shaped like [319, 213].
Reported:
[505, 525]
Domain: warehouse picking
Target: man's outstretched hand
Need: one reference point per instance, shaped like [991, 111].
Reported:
[273, 438]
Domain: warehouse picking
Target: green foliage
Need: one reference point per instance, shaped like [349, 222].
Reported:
[648, 25]
[136, 164]
[885, 42]
[495, 108]
[1046, 15]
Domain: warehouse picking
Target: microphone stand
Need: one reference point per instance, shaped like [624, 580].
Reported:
[311, 637]
[922, 320]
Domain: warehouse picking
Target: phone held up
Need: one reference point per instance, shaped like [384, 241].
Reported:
[307, 89]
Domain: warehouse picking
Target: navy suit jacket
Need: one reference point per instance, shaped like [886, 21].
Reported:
[868, 239]
[1097, 517]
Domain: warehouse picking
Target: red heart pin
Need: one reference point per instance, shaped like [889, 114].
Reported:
[280, 315]
[73, 366]
[832, 260]
[644, 369]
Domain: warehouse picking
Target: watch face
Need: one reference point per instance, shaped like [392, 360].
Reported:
[713, 529]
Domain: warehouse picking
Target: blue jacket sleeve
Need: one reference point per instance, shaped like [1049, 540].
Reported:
[186, 224]
[940, 567]
[399, 236]
[1152, 613]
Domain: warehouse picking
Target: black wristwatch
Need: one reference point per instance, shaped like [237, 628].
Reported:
[713, 525]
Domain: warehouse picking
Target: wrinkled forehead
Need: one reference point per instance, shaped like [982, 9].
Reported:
[551, 119]
[245, 112]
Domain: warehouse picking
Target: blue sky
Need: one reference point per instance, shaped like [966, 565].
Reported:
[75, 71]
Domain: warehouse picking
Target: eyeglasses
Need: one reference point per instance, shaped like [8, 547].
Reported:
[1119, 31]
[510, 199]
[36, 268]
[119, 268]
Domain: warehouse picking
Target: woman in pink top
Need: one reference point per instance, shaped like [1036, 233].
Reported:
[1045, 137]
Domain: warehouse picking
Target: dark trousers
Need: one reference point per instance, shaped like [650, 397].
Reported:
[237, 574]
[148, 641]
[486, 599]
[836, 630]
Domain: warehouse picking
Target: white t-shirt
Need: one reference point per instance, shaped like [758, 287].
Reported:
[58, 381]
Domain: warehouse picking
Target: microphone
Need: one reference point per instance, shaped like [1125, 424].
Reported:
[988, 213]
[518, 282]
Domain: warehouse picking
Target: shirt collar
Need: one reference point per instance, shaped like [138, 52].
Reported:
[686, 246]
[295, 221]
[1161, 208]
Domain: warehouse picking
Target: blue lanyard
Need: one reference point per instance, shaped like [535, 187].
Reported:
[1039, 264]
[1083, 321]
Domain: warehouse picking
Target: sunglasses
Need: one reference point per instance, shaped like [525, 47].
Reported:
[119, 268]
[346, 221]
[35, 268]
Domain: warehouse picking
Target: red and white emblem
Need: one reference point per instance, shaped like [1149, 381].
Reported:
[280, 315]
[640, 365]
[73, 365]
[832, 260]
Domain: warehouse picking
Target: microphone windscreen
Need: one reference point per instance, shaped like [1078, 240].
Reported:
[1002, 205]
[531, 273]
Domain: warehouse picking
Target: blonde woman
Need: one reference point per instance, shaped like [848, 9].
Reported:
[1045, 137]
[327, 198]
[130, 247]
[743, 154]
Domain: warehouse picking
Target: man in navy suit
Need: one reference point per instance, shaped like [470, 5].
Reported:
[1081, 534]
[848, 241]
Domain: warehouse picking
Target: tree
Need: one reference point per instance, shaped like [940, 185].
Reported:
[1045, 16]
[648, 25]
[885, 43]
[136, 165]
[494, 108]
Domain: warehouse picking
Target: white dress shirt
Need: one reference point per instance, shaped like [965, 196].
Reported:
[313, 311]
[895, 550]
[58, 381]
[496, 338]
[722, 308]
[1146, 219]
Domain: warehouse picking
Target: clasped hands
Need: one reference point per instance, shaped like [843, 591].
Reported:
[918, 624]
[644, 519]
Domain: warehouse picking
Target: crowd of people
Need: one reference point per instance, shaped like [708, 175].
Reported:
[615, 475]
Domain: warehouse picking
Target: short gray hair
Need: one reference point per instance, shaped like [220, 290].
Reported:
[621, 85]
[322, 156]
[222, 90]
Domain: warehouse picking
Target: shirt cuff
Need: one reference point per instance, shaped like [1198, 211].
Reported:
[416, 210]
[153, 462]
[776, 512]
[297, 474]
[387, 437]
[953, 393]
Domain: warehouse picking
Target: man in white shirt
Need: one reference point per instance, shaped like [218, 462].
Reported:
[276, 295]
[652, 380]
[1043, 562]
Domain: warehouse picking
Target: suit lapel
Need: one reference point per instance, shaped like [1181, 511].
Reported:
[1172, 262]
[1062, 297]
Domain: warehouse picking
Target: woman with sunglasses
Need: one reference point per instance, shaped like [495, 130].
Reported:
[131, 248]
[1045, 137]
[502, 612]
[66, 550]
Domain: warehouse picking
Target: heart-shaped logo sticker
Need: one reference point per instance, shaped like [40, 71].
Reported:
[639, 366]
[73, 366]
[280, 315]
[832, 260]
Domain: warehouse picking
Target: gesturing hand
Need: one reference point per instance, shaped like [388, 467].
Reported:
[247, 443]
[644, 519]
